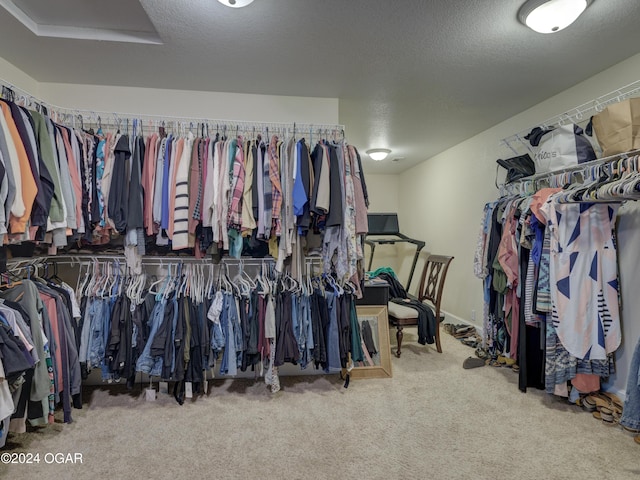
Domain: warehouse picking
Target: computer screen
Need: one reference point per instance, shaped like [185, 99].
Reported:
[383, 223]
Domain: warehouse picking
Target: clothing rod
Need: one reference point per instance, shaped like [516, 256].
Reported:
[581, 112]
[117, 118]
[151, 260]
[147, 259]
[186, 260]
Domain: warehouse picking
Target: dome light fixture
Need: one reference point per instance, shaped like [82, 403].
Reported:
[550, 16]
[235, 3]
[378, 154]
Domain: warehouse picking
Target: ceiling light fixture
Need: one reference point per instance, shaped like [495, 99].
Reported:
[235, 3]
[550, 16]
[378, 154]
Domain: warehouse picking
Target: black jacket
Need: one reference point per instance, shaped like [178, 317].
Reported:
[119, 192]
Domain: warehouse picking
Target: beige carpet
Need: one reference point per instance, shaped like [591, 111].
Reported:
[433, 419]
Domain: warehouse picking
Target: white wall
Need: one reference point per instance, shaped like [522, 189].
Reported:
[187, 103]
[383, 198]
[441, 202]
[17, 77]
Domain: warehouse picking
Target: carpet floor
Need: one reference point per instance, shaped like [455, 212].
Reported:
[433, 419]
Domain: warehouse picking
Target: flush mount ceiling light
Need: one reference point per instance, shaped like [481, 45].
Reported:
[378, 154]
[550, 16]
[235, 3]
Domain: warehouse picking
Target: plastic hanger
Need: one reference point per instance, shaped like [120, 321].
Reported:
[209, 286]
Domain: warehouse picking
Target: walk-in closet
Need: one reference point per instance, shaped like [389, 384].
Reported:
[304, 239]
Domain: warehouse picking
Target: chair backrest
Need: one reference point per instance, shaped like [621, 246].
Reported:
[434, 274]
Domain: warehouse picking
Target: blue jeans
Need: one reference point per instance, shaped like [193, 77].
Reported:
[307, 324]
[228, 317]
[146, 363]
[85, 336]
[631, 412]
[95, 348]
[237, 331]
[303, 328]
[296, 320]
[106, 330]
[174, 324]
[333, 338]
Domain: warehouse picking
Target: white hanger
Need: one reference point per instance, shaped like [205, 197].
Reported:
[209, 286]
[161, 280]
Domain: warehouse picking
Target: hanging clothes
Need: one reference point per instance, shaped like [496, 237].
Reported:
[551, 287]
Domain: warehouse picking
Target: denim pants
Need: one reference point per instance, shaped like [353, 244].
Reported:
[174, 324]
[95, 349]
[228, 319]
[304, 330]
[106, 330]
[631, 412]
[295, 320]
[147, 363]
[333, 337]
[85, 336]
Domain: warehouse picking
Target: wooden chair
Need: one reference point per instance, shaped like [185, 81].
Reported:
[431, 287]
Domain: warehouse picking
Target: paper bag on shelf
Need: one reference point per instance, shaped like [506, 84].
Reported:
[617, 127]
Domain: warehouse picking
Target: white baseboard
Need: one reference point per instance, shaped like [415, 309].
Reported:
[622, 395]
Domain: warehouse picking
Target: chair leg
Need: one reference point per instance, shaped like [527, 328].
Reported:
[399, 336]
[438, 339]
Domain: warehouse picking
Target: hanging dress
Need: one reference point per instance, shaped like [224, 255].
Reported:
[584, 273]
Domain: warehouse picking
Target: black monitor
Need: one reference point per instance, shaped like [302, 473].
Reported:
[383, 224]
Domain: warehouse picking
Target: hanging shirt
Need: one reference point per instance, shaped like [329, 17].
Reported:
[158, 182]
[583, 272]
[74, 173]
[268, 193]
[276, 187]
[109, 156]
[181, 216]
[65, 177]
[148, 184]
[168, 155]
[176, 158]
[362, 224]
[39, 209]
[195, 187]
[135, 210]
[321, 190]
[248, 220]
[28, 184]
[208, 198]
[234, 219]
[11, 184]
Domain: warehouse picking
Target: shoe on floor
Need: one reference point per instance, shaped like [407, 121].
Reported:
[471, 341]
[481, 353]
[473, 362]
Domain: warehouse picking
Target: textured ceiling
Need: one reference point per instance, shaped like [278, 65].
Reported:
[415, 76]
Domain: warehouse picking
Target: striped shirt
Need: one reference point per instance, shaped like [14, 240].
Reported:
[181, 210]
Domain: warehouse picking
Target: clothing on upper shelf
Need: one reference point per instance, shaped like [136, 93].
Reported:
[61, 186]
